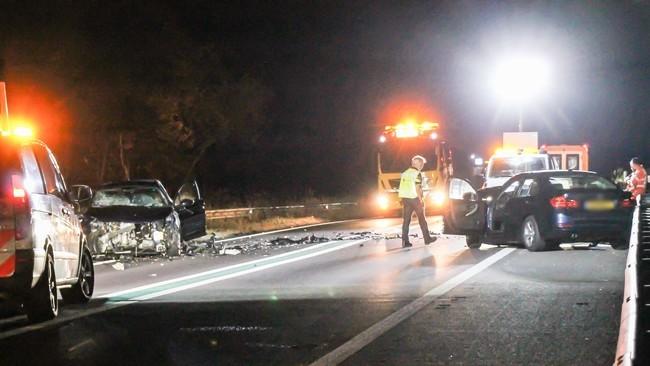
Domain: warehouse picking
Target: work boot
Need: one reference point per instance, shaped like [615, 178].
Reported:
[430, 240]
[406, 245]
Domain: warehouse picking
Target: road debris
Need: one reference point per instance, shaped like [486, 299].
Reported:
[214, 246]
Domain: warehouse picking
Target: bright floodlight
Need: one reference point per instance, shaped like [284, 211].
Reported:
[520, 79]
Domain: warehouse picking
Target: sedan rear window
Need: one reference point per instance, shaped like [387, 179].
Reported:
[568, 182]
[129, 196]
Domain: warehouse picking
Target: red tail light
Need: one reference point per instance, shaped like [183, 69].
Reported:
[18, 189]
[628, 203]
[563, 202]
[21, 207]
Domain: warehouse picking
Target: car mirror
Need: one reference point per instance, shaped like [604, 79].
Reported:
[80, 194]
[186, 202]
[469, 197]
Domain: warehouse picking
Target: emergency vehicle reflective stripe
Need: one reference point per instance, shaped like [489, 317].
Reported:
[408, 182]
[7, 253]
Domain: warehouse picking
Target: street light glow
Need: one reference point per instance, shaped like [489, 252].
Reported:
[520, 79]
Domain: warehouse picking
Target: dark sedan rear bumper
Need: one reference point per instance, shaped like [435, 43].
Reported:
[570, 229]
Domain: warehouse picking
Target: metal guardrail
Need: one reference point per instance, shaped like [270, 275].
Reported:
[634, 331]
[231, 213]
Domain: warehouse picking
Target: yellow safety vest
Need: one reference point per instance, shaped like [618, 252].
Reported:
[408, 183]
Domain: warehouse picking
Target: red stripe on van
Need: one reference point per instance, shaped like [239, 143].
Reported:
[6, 237]
[8, 266]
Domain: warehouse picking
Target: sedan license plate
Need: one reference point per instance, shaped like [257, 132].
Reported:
[600, 205]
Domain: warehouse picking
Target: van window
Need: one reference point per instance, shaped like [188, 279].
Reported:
[49, 174]
[573, 161]
[33, 180]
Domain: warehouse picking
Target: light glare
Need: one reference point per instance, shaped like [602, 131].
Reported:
[520, 79]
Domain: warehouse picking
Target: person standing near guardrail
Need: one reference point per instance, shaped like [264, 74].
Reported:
[410, 192]
[637, 180]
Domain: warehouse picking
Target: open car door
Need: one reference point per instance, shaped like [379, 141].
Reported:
[191, 210]
[465, 213]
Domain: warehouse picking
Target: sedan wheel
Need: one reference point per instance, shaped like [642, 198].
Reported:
[531, 236]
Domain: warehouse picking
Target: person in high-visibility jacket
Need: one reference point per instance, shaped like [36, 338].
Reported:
[410, 192]
[637, 180]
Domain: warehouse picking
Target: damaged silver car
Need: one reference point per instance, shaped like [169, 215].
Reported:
[138, 217]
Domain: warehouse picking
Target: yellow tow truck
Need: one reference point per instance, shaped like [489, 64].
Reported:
[397, 144]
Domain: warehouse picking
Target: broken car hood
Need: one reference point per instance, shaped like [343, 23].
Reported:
[129, 213]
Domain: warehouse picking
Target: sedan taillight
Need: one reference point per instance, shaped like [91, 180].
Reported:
[628, 203]
[562, 202]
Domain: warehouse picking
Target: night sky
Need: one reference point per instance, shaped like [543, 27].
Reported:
[335, 70]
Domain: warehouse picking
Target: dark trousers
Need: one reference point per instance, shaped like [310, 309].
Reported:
[411, 205]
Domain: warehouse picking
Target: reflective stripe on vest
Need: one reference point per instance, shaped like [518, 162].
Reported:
[407, 184]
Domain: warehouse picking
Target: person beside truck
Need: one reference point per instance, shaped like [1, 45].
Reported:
[410, 192]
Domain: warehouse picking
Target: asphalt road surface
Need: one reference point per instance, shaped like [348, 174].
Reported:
[361, 301]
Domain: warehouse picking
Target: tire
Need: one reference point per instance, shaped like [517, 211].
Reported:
[43, 301]
[473, 241]
[531, 237]
[82, 291]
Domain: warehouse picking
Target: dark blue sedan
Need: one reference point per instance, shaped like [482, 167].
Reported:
[541, 210]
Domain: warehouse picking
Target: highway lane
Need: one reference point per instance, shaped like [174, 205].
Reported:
[298, 305]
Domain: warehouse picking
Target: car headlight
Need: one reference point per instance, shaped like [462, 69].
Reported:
[438, 198]
[157, 236]
[382, 201]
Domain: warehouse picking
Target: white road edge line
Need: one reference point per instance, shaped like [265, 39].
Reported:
[200, 274]
[366, 337]
[121, 303]
[245, 272]
[111, 306]
[227, 268]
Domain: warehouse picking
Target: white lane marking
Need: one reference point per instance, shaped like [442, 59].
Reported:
[226, 268]
[87, 312]
[366, 337]
[100, 309]
[245, 272]
[110, 261]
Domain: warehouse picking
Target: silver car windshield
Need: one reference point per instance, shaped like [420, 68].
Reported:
[129, 196]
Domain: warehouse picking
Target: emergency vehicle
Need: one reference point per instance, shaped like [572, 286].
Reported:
[397, 144]
[568, 157]
[505, 164]
[519, 153]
